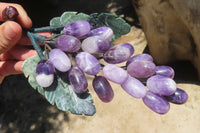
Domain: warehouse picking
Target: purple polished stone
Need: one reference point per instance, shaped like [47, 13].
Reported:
[79, 29]
[44, 73]
[60, 60]
[115, 73]
[140, 57]
[68, 43]
[88, 63]
[134, 87]
[104, 32]
[161, 85]
[95, 44]
[156, 103]
[165, 71]
[103, 89]
[78, 80]
[141, 69]
[179, 97]
[119, 53]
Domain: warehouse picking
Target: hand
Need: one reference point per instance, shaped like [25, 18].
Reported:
[12, 43]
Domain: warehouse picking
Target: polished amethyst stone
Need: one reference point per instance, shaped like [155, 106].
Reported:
[134, 87]
[88, 63]
[156, 103]
[95, 44]
[68, 43]
[103, 89]
[78, 80]
[165, 71]
[141, 69]
[104, 32]
[161, 85]
[140, 57]
[119, 53]
[79, 29]
[179, 97]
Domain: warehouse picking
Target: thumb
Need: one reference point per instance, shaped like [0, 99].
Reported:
[10, 33]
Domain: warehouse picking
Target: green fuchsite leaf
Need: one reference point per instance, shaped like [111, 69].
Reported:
[60, 93]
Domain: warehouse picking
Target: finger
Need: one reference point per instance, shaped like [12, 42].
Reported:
[9, 68]
[10, 33]
[23, 18]
[21, 53]
[6, 56]
[26, 41]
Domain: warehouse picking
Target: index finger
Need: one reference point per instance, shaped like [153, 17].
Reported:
[23, 18]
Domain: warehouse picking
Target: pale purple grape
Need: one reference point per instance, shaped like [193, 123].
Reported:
[44, 73]
[115, 73]
[68, 43]
[179, 97]
[104, 32]
[78, 80]
[140, 57]
[134, 87]
[161, 85]
[165, 71]
[156, 103]
[119, 53]
[79, 29]
[141, 69]
[103, 89]
[88, 63]
[95, 44]
[60, 60]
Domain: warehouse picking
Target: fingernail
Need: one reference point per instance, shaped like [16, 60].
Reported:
[11, 31]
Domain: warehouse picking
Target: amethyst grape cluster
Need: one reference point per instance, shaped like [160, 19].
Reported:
[88, 47]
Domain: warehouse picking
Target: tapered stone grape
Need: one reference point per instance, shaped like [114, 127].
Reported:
[156, 103]
[179, 97]
[140, 57]
[78, 80]
[78, 29]
[88, 63]
[104, 32]
[44, 73]
[103, 89]
[115, 73]
[95, 44]
[134, 87]
[161, 85]
[141, 69]
[165, 71]
[60, 60]
[9, 13]
[68, 43]
[119, 53]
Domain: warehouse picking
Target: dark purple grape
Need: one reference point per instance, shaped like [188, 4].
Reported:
[79, 29]
[78, 80]
[165, 71]
[44, 73]
[88, 63]
[118, 53]
[103, 89]
[95, 44]
[156, 103]
[9, 13]
[179, 97]
[104, 32]
[140, 57]
[68, 43]
[141, 69]
[161, 85]
[60, 60]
